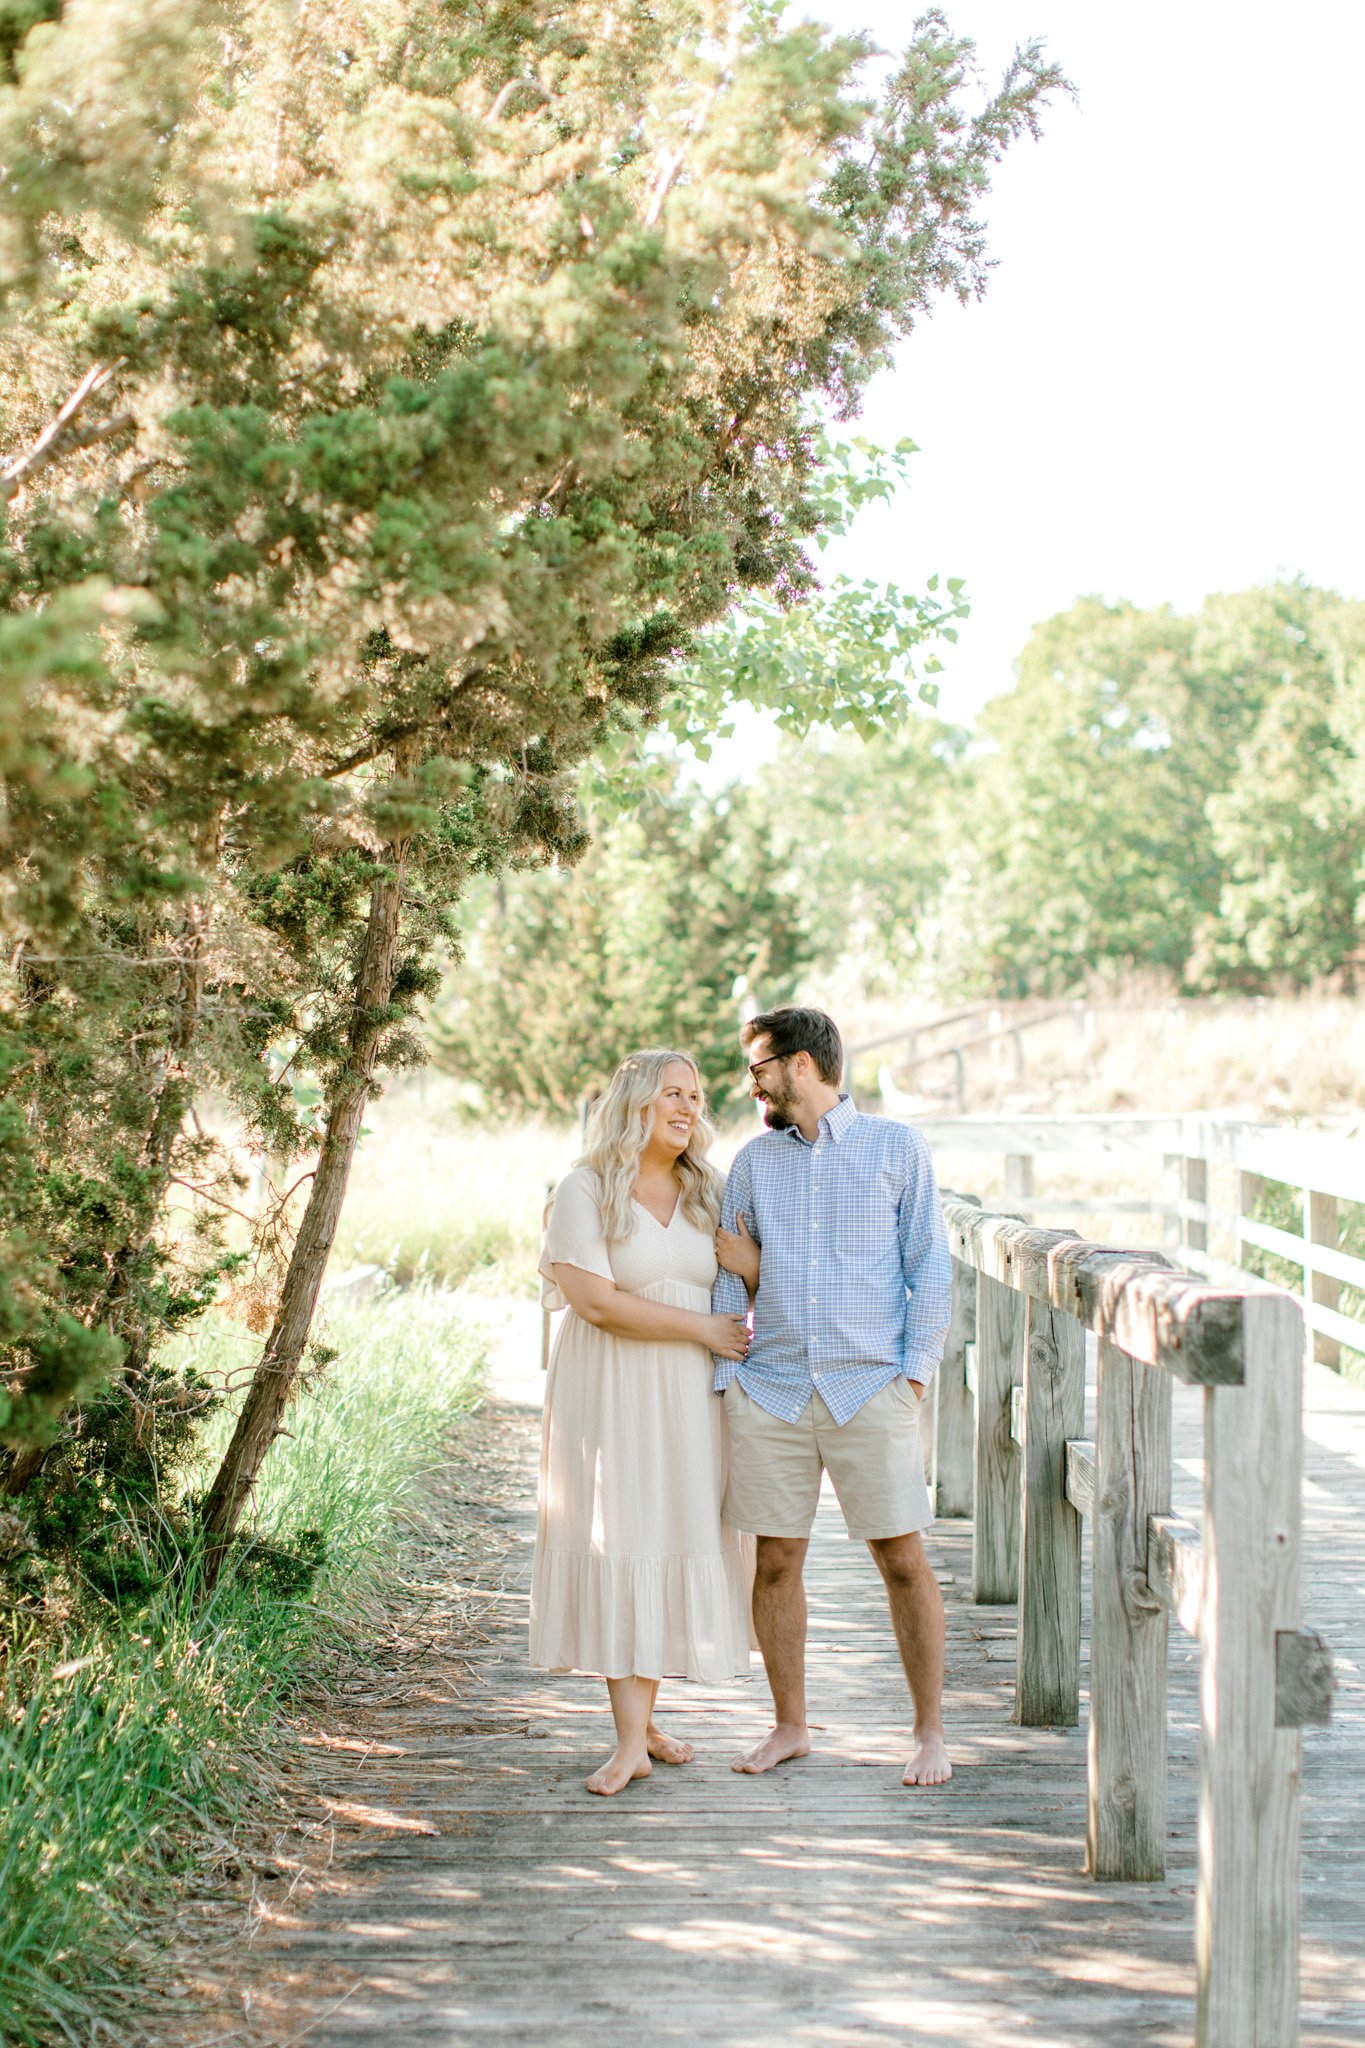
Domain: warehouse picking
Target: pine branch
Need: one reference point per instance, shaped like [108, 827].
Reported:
[60, 436]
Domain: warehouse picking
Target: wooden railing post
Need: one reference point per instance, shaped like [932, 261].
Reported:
[1249, 1187]
[954, 1407]
[1125, 1831]
[1194, 1187]
[995, 1527]
[1321, 1226]
[1048, 1685]
[1247, 1900]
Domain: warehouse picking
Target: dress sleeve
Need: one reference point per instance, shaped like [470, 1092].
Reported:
[573, 1235]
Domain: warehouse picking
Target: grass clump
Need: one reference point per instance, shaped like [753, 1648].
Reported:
[139, 1724]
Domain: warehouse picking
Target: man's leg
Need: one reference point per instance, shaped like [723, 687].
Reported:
[917, 1617]
[780, 1625]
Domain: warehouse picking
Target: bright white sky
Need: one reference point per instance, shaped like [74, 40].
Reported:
[1161, 393]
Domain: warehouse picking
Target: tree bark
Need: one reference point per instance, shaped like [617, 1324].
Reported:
[276, 1376]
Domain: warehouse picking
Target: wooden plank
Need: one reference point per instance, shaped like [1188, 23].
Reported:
[1322, 1255]
[1017, 1403]
[1175, 1568]
[1080, 1477]
[1126, 1807]
[1247, 1902]
[1029, 1206]
[1348, 1330]
[822, 1903]
[999, 1365]
[1052, 1399]
[954, 1413]
[1053, 1134]
[1301, 1159]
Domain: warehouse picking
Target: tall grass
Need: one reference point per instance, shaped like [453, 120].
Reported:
[1283, 1060]
[435, 1197]
[134, 1739]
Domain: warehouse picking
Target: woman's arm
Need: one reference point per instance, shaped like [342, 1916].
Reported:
[739, 1252]
[609, 1307]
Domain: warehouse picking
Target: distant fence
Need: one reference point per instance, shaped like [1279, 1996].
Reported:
[1324, 1171]
[1007, 1449]
[989, 1026]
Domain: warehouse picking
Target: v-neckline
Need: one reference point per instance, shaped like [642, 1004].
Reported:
[650, 1213]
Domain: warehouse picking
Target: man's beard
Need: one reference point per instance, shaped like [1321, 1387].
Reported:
[776, 1119]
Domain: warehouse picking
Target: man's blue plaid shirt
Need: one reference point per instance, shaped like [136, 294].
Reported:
[855, 1282]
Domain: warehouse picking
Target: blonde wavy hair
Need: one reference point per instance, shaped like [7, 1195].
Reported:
[617, 1130]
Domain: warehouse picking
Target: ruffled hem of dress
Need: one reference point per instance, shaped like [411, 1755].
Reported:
[644, 1617]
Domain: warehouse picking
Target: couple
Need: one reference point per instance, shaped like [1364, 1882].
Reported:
[672, 1438]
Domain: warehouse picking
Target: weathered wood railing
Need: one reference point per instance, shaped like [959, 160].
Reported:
[1008, 1449]
[1323, 1172]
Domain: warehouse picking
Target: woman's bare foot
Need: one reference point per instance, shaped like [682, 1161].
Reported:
[929, 1765]
[617, 1772]
[785, 1742]
[666, 1749]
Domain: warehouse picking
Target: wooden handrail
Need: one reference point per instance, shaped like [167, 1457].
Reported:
[1322, 1168]
[1007, 1447]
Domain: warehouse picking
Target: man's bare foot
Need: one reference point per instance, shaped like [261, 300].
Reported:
[617, 1772]
[666, 1749]
[785, 1742]
[929, 1765]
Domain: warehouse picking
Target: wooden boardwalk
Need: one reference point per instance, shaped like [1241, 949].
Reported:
[824, 1906]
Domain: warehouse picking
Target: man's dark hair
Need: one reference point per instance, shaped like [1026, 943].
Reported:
[792, 1030]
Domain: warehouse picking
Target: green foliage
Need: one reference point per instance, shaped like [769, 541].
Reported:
[437, 380]
[1172, 792]
[864, 834]
[676, 908]
[138, 1734]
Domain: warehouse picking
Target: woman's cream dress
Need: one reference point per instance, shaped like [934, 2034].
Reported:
[634, 1572]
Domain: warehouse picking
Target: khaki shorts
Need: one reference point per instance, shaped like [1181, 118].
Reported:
[875, 1460]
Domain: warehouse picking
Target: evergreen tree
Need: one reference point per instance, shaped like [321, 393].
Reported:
[404, 389]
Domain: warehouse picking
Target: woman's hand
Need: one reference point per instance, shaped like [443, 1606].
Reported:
[737, 1251]
[727, 1336]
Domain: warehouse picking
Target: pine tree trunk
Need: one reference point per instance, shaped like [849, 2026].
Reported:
[276, 1376]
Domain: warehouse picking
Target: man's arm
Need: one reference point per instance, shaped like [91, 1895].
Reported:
[925, 1262]
[730, 1296]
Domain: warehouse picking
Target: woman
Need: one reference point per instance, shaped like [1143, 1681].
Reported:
[634, 1575]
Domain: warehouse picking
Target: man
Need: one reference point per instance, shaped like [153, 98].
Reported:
[851, 1309]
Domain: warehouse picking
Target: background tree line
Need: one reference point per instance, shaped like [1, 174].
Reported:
[1174, 793]
[402, 408]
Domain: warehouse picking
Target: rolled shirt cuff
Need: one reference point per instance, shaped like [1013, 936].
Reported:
[923, 1367]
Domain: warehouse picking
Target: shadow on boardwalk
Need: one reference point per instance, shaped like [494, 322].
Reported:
[825, 1904]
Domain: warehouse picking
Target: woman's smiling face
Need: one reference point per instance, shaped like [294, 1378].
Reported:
[676, 1109]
